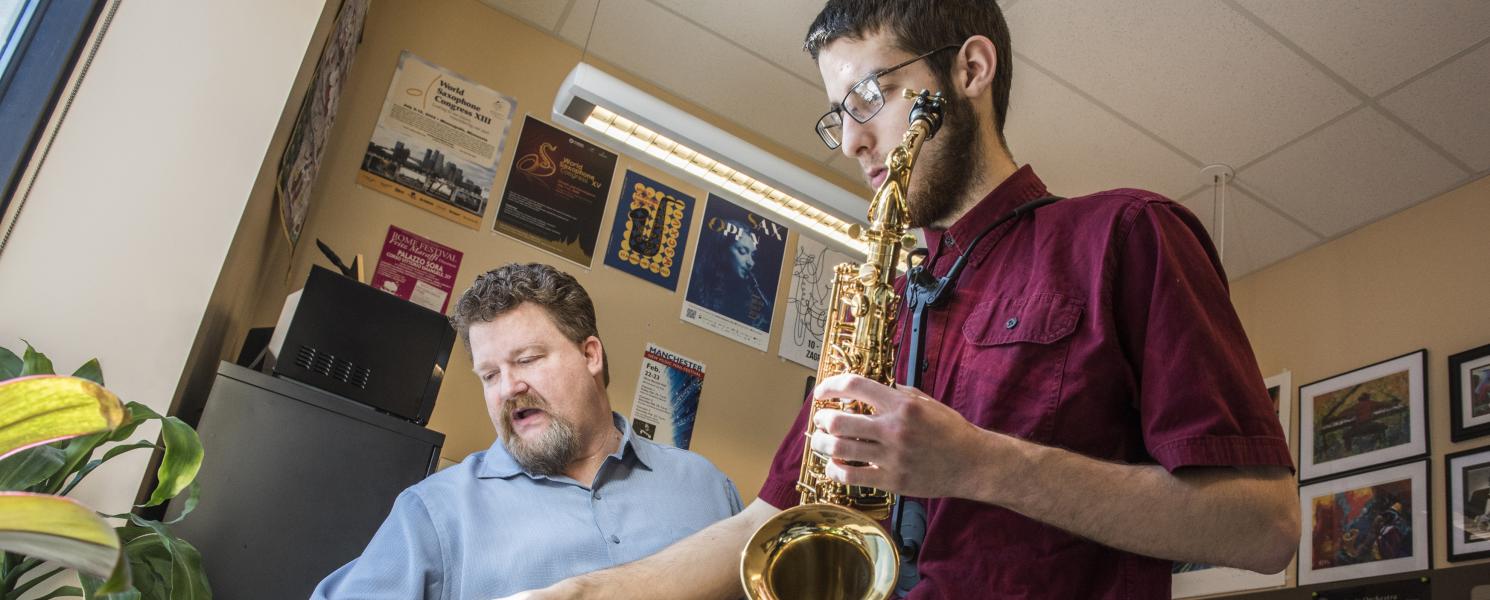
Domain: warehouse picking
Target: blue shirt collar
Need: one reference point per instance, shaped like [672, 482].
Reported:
[499, 463]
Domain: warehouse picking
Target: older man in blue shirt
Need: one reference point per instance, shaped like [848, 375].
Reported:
[566, 489]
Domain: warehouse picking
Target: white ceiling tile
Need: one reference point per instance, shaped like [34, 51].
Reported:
[1197, 74]
[711, 72]
[1079, 148]
[1376, 44]
[1355, 171]
[1256, 236]
[542, 13]
[772, 29]
[1452, 107]
[576, 26]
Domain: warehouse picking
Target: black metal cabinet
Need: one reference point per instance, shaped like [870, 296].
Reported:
[295, 481]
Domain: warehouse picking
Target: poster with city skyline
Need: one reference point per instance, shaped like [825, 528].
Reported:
[437, 141]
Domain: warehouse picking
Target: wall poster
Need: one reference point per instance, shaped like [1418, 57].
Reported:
[649, 233]
[732, 286]
[556, 192]
[437, 141]
[312, 131]
[416, 269]
[667, 396]
[807, 301]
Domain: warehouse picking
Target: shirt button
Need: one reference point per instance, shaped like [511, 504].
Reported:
[925, 364]
[614, 539]
[1011, 323]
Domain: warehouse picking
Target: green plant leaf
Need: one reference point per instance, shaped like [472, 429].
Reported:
[58, 529]
[29, 467]
[137, 414]
[74, 453]
[180, 462]
[90, 371]
[36, 363]
[63, 592]
[174, 559]
[42, 409]
[95, 463]
[10, 364]
[193, 496]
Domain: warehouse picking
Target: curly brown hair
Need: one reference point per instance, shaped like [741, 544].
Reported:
[506, 287]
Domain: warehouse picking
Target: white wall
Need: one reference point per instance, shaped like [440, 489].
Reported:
[131, 217]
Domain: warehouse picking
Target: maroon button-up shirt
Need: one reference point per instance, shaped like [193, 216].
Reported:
[1101, 325]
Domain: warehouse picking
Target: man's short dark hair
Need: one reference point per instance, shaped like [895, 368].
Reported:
[920, 26]
[504, 288]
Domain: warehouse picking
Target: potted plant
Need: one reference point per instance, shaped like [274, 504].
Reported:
[51, 427]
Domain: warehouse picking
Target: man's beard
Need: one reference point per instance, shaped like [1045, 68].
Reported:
[946, 169]
[551, 451]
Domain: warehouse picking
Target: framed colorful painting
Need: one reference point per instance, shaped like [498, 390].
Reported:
[1367, 417]
[1365, 524]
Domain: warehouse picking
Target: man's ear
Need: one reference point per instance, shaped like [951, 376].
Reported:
[976, 62]
[594, 354]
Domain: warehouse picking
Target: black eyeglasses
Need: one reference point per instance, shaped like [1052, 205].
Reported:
[862, 102]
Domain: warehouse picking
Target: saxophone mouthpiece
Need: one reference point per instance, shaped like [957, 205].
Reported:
[928, 106]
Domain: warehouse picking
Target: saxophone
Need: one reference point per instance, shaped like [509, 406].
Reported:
[831, 546]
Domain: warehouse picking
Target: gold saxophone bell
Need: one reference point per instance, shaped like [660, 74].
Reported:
[831, 546]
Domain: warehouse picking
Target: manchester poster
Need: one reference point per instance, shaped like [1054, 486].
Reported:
[556, 192]
[649, 233]
[732, 286]
[437, 141]
[807, 301]
[667, 396]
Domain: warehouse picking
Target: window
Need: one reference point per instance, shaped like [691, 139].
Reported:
[43, 39]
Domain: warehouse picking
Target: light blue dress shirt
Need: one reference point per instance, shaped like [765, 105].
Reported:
[486, 529]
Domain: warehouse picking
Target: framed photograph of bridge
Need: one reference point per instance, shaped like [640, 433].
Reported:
[1363, 418]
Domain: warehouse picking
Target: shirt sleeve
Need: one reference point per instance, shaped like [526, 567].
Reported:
[402, 561]
[1201, 397]
[780, 488]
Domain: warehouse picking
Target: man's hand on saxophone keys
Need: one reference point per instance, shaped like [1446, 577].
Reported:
[913, 445]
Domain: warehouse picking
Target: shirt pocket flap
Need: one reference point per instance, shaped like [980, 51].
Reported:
[1038, 318]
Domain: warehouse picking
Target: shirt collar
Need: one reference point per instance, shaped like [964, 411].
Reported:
[1021, 187]
[499, 463]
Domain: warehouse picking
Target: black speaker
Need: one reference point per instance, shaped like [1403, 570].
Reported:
[352, 340]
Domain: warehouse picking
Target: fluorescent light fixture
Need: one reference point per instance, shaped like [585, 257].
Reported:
[639, 124]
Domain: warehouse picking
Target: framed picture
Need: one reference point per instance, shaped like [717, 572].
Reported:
[1280, 388]
[1365, 525]
[1469, 504]
[1370, 416]
[1194, 579]
[1469, 393]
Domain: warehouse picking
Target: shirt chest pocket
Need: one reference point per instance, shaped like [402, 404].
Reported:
[1014, 361]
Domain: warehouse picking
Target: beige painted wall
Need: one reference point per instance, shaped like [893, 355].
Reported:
[130, 218]
[1407, 282]
[749, 397]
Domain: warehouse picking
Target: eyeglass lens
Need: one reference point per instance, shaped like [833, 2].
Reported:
[862, 103]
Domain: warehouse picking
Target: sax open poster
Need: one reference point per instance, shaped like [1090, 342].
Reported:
[736, 266]
[650, 231]
[667, 396]
[556, 192]
[437, 141]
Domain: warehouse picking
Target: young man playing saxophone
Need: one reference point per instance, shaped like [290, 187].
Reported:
[1090, 409]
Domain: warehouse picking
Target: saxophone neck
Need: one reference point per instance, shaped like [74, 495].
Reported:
[888, 208]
